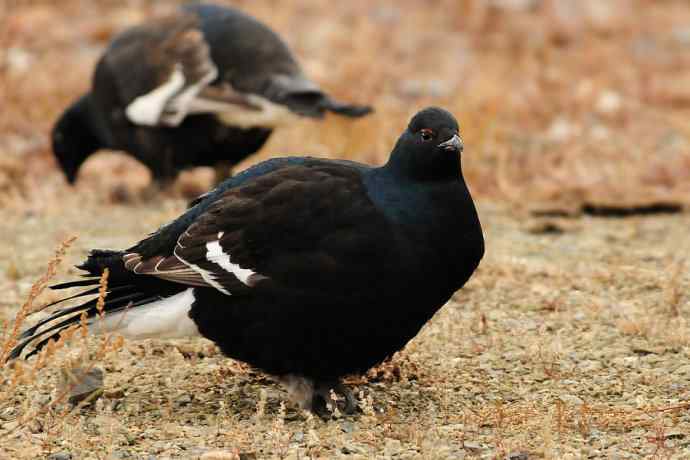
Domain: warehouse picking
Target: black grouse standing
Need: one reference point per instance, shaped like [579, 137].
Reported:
[309, 269]
[204, 87]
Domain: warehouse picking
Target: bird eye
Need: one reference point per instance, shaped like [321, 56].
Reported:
[427, 134]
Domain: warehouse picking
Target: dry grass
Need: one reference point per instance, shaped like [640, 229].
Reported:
[559, 104]
[571, 341]
[12, 333]
[49, 415]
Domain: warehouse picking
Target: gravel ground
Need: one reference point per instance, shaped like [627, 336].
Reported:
[571, 341]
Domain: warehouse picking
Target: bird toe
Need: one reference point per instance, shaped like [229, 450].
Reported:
[333, 399]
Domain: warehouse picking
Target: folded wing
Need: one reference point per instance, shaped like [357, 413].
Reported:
[299, 227]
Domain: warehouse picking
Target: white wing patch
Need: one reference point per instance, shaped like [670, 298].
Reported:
[215, 254]
[147, 109]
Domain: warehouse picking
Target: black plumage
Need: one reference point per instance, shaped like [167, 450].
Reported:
[203, 87]
[309, 269]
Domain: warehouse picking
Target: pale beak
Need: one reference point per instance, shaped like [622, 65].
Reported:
[454, 144]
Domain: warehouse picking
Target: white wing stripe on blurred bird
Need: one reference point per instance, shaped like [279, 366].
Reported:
[147, 109]
[180, 105]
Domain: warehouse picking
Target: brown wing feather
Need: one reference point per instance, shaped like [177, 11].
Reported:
[168, 268]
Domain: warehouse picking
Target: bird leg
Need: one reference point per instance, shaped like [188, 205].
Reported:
[222, 170]
[323, 396]
[157, 188]
[350, 405]
[152, 192]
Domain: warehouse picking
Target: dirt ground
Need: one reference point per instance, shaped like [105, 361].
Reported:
[572, 339]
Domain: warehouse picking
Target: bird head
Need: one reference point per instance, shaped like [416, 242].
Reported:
[430, 147]
[73, 139]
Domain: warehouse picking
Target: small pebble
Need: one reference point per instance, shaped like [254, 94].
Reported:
[60, 456]
[80, 383]
[571, 399]
[518, 456]
[347, 427]
[184, 400]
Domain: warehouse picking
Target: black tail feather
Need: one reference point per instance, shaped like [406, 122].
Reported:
[88, 292]
[53, 332]
[125, 289]
[58, 328]
[65, 311]
[80, 283]
[88, 307]
[100, 259]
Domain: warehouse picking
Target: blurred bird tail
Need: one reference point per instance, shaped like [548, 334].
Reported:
[304, 97]
[348, 110]
[315, 104]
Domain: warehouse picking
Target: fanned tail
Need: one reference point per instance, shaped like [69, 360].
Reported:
[136, 306]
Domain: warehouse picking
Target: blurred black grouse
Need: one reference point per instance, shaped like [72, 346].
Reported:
[204, 87]
[309, 269]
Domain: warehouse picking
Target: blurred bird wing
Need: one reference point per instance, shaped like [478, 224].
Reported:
[160, 67]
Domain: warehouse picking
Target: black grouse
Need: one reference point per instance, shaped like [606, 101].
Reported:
[203, 87]
[310, 269]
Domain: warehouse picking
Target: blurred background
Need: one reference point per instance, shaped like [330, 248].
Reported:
[561, 102]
